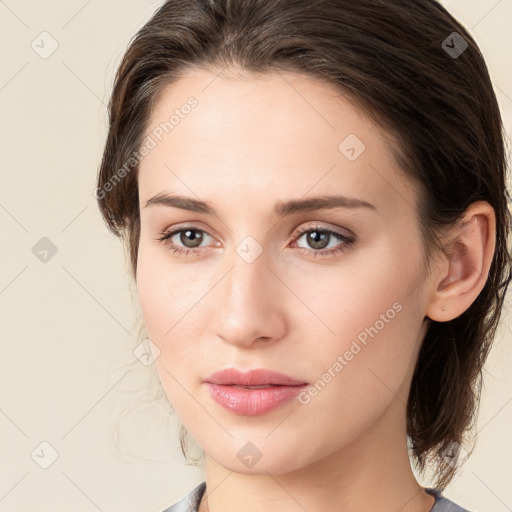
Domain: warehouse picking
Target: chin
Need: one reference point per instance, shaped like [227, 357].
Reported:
[258, 457]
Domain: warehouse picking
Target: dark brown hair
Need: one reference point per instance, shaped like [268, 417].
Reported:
[399, 61]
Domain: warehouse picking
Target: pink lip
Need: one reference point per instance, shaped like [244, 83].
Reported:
[258, 377]
[226, 389]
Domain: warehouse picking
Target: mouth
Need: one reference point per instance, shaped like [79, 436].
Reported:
[253, 379]
[253, 393]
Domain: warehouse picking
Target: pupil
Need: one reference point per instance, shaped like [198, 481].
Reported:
[195, 240]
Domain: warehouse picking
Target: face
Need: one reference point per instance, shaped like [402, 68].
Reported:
[330, 294]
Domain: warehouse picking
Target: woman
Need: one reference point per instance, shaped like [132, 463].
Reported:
[312, 194]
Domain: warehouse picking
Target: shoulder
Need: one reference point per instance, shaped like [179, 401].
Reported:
[443, 504]
[190, 502]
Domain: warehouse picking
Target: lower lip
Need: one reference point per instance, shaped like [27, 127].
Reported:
[252, 402]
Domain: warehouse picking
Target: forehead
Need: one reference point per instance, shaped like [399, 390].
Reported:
[275, 135]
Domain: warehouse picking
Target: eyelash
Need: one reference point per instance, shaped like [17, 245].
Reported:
[347, 240]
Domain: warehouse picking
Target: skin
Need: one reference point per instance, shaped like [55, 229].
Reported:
[253, 141]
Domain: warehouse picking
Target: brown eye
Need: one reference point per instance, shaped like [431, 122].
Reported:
[194, 237]
[319, 238]
[185, 240]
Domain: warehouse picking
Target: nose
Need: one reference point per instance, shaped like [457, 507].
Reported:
[251, 305]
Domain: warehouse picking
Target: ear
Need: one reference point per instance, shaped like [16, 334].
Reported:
[465, 267]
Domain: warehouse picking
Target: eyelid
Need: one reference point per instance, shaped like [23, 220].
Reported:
[182, 227]
[344, 232]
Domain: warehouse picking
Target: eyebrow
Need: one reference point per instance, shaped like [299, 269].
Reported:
[281, 208]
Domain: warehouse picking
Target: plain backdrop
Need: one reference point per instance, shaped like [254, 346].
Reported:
[68, 320]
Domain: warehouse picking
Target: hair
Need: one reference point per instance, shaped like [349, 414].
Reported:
[389, 58]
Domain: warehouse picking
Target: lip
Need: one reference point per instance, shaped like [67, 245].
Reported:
[226, 388]
[257, 377]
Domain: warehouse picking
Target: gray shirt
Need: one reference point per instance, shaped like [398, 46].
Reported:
[190, 502]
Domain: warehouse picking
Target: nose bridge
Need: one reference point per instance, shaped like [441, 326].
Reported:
[248, 308]
[245, 289]
[249, 270]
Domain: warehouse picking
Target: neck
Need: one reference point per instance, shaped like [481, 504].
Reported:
[372, 472]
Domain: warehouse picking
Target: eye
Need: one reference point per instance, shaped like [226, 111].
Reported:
[318, 238]
[190, 236]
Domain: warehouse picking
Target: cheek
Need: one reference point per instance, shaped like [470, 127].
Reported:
[171, 298]
[165, 291]
[158, 305]
[356, 375]
[151, 294]
[365, 290]
[371, 310]
[164, 304]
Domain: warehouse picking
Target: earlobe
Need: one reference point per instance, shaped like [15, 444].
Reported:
[466, 265]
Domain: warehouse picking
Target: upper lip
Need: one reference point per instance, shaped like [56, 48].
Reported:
[258, 377]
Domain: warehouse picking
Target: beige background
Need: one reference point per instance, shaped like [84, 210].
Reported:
[68, 324]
